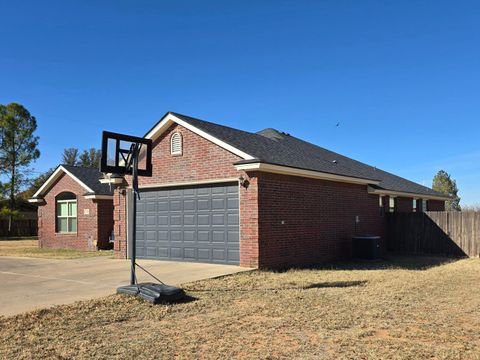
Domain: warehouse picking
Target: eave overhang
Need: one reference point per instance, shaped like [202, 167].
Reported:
[385, 192]
[287, 170]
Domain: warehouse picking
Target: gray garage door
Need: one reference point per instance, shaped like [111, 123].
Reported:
[195, 223]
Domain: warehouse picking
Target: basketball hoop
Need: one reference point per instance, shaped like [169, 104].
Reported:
[131, 155]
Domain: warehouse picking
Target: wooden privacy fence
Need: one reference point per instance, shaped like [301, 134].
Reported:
[444, 233]
[21, 227]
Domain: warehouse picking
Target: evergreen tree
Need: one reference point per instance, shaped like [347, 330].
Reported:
[70, 156]
[443, 183]
[90, 158]
[18, 148]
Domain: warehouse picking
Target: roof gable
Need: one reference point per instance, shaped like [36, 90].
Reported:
[168, 119]
[88, 178]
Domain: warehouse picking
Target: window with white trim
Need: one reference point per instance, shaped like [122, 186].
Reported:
[176, 144]
[66, 213]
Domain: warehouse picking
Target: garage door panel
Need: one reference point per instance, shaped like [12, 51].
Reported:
[218, 204]
[162, 235]
[189, 204]
[162, 220]
[150, 220]
[162, 205]
[203, 204]
[157, 194]
[140, 207]
[203, 219]
[151, 251]
[233, 236]
[176, 205]
[189, 236]
[204, 254]
[218, 219]
[140, 219]
[150, 235]
[150, 207]
[218, 236]
[232, 219]
[232, 203]
[176, 193]
[189, 253]
[196, 223]
[175, 220]
[218, 255]
[203, 235]
[162, 252]
[176, 252]
[189, 219]
[188, 192]
[233, 255]
[176, 235]
[203, 191]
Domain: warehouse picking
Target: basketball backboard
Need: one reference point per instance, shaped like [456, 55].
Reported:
[118, 153]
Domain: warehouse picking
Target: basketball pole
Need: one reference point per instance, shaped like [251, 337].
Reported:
[134, 220]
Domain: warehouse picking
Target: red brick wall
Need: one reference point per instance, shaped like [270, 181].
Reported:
[120, 223]
[201, 161]
[249, 222]
[104, 222]
[436, 205]
[87, 235]
[307, 221]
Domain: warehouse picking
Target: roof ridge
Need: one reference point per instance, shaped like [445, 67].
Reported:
[81, 167]
[211, 123]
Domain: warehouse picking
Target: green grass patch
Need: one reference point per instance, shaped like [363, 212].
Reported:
[29, 248]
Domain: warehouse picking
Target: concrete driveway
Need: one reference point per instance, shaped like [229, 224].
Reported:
[28, 283]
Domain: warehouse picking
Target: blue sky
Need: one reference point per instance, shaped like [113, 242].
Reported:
[401, 77]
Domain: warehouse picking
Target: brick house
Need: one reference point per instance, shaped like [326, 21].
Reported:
[263, 199]
[75, 210]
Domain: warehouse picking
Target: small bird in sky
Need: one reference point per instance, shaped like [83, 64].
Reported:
[338, 124]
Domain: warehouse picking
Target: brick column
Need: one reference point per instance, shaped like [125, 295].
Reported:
[249, 234]
[119, 222]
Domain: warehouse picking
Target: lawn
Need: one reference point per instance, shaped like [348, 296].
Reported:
[29, 248]
[421, 308]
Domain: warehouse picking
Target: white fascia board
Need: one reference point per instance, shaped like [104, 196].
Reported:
[98, 197]
[286, 170]
[187, 183]
[406, 194]
[169, 119]
[56, 174]
[115, 180]
[36, 201]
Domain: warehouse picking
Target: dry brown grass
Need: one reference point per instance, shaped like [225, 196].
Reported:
[408, 309]
[29, 248]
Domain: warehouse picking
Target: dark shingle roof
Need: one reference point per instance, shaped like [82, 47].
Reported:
[274, 147]
[90, 177]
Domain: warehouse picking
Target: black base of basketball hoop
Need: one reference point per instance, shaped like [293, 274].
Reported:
[153, 293]
[131, 155]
